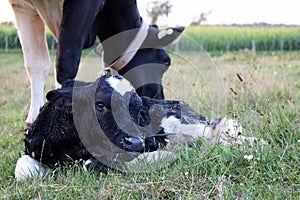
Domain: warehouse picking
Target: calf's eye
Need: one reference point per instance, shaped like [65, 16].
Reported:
[100, 106]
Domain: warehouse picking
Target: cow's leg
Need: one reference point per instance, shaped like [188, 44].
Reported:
[51, 13]
[76, 26]
[31, 30]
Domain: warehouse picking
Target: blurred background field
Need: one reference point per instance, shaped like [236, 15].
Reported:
[233, 38]
[214, 39]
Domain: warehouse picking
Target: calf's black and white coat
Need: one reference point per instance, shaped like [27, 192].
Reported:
[106, 120]
[54, 136]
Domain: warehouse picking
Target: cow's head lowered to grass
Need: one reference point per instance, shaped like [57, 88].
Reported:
[141, 57]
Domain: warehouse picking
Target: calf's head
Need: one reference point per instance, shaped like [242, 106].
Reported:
[77, 122]
[110, 117]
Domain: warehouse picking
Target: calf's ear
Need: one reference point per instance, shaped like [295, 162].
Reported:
[164, 37]
[64, 93]
[70, 90]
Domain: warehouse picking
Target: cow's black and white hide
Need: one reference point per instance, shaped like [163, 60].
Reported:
[107, 121]
[127, 41]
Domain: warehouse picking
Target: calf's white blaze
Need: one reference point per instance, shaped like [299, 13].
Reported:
[120, 85]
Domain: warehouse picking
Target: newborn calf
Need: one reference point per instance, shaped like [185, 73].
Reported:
[105, 119]
[107, 123]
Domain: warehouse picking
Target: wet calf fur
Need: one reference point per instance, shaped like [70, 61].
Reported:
[54, 138]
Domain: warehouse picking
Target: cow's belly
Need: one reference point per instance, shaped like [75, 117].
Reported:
[50, 11]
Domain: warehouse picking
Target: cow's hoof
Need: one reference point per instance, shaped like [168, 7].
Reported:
[133, 144]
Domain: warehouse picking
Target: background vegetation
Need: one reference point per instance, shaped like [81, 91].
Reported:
[10, 32]
[267, 38]
[213, 38]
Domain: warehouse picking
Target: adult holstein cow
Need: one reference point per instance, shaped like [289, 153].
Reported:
[75, 25]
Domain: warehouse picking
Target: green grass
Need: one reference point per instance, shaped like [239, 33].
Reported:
[265, 100]
[216, 38]
[13, 39]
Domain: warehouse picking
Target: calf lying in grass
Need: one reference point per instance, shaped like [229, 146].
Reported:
[108, 124]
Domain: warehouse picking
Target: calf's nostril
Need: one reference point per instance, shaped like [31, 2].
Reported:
[167, 62]
[128, 140]
[135, 144]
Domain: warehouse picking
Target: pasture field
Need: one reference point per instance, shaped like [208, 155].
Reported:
[267, 38]
[262, 92]
[218, 39]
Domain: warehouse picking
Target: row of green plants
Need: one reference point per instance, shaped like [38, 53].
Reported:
[9, 33]
[211, 38]
[233, 38]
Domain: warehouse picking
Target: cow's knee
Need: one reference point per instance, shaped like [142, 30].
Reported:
[38, 69]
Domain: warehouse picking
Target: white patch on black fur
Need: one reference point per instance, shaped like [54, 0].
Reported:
[165, 32]
[88, 162]
[120, 85]
[171, 124]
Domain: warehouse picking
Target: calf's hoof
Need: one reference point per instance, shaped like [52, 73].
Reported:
[27, 168]
[133, 144]
[93, 164]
